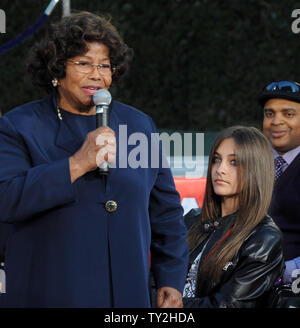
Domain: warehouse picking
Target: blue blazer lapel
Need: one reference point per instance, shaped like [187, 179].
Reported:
[64, 139]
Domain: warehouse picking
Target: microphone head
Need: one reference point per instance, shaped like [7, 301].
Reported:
[102, 97]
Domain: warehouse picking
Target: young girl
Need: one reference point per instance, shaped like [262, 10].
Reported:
[235, 247]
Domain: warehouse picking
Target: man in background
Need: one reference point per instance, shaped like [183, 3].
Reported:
[281, 125]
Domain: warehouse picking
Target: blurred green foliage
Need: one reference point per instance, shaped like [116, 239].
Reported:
[198, 64]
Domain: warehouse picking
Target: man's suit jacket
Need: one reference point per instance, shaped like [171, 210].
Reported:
[285, 208]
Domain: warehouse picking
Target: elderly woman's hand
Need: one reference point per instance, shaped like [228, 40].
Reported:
[168, 297]
[99, 146]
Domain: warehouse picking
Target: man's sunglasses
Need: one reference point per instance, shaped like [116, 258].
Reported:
[284, 86]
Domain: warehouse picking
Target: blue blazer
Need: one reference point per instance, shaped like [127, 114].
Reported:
[66, 249]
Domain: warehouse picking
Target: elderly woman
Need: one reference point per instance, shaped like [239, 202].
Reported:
[81, 240]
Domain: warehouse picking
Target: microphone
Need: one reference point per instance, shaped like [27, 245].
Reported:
[102, 99]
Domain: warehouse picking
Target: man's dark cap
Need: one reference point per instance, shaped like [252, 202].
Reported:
[280, 92]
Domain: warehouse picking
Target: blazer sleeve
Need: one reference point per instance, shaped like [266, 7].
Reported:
[27, 190]
[169, 251]
[259, 266]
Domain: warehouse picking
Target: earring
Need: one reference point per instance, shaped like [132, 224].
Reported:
[55, 82]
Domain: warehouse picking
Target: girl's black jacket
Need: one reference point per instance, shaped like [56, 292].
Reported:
[248, 278]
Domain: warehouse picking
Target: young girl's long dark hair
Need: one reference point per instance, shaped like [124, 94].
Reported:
[255, 185]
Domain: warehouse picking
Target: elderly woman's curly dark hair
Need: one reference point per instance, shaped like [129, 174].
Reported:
[67, 39]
